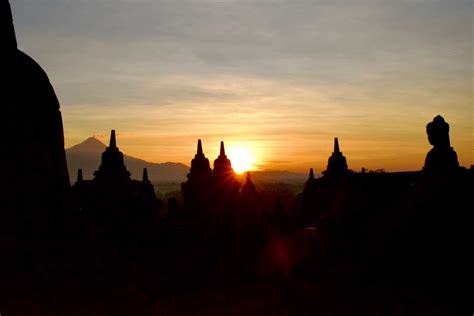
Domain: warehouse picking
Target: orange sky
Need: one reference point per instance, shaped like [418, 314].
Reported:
[283, 78]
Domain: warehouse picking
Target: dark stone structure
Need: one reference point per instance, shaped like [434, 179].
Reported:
[146, 185]
[35, 178]
[309, 200]
[251, 227]
[311, 185]
[146, 197]
[280, 221]
[337, 164]
[249, 193]
[196, 190]
[226, 186]
[250, 209]
[200, 167]
[80, 178]
[222, 165]
[441, 158]
[112, 168]
[112, 200]
[113, 188]
[211, 195]
[400, 239]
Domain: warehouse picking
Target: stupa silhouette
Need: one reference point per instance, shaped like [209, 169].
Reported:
[33, 150]
[112, 168]
[337, 164]
[197, 189]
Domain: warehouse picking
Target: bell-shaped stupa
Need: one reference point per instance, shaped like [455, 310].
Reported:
[337, 164]
[112, 168]
[222, 165]
[32, 150]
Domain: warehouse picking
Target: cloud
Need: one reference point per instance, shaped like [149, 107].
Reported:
[265, 69]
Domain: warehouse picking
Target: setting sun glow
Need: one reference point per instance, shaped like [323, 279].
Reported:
[242, 158]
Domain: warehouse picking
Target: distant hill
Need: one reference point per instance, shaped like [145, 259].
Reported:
[87, 155]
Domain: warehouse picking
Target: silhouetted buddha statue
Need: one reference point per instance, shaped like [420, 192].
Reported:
[337, 164]
[442, 156]
[112, 167]
[35, 175]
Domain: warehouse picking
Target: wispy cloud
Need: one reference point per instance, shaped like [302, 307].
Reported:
[292, 74]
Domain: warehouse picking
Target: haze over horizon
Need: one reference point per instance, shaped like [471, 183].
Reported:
[281, 77]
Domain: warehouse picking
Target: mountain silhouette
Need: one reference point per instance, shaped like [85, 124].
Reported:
[86, 156]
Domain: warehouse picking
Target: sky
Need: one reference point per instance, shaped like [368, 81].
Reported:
[279, 77]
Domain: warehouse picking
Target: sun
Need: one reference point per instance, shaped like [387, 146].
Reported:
[242, 158]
